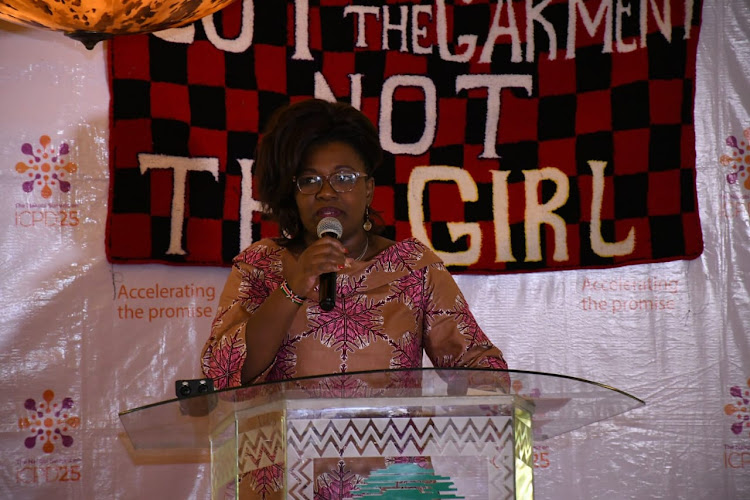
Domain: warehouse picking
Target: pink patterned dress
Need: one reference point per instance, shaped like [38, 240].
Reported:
[388, 310]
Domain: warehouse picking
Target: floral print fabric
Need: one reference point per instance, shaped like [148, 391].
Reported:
[388, 311]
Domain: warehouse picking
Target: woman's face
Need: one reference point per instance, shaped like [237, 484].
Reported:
[348, 207]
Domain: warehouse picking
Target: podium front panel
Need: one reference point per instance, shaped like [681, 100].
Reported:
[349, 448]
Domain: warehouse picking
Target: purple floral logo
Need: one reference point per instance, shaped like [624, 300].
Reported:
[45, 167]
[740, 409]
[49, 421]
[738, 160]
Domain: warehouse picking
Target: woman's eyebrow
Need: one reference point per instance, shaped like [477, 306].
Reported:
[336, 168]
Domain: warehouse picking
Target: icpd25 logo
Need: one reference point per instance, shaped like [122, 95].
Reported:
[45, 167]
[49, 422]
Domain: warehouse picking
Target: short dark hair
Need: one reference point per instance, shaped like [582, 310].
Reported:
[290, 134]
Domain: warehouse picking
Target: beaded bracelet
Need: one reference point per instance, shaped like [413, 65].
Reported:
[297, 299]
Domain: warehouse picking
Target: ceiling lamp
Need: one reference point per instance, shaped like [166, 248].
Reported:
[90, 21]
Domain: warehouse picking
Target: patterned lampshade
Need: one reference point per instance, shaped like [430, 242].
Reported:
[90, 21]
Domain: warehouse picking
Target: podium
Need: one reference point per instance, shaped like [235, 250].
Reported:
[398, 434]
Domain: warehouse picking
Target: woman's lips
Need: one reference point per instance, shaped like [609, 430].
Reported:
[329, 212]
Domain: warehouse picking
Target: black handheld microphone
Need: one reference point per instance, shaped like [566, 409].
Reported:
[328, 226]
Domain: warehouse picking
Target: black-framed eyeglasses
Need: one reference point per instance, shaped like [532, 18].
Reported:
[341, 182]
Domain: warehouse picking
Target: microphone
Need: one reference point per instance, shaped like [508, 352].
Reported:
[328, 226]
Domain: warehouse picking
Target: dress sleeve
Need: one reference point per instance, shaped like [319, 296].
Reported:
[452, 337]
[248, 285]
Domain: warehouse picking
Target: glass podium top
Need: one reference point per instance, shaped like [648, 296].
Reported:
[558, 403]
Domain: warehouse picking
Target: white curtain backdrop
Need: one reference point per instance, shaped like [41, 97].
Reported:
[80, 339]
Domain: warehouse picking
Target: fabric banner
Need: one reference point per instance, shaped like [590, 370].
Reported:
[519, 136]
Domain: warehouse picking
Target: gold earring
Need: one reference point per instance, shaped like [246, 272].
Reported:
[368, 223]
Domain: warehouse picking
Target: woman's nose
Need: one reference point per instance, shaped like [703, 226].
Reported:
[326, 190]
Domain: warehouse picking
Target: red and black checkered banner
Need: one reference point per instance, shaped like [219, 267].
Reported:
[519, 135]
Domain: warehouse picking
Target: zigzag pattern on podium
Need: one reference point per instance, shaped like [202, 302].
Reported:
[301, 479]
[261, 447]
[501, 479]
[524, 435]
[435, 436]
[524, 458]
[367, 437]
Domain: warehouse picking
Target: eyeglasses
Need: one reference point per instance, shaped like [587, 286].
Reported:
[341, 182]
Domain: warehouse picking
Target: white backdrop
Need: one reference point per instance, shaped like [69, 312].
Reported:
[80, 340]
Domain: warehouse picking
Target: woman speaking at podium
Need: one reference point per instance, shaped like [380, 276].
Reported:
[331, 295]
